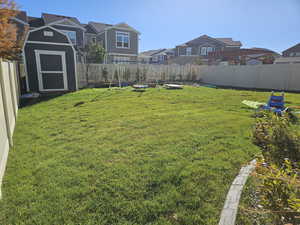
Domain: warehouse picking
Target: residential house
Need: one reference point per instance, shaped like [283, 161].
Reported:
[292, 51]
[243, 56]
[204, 44]
[287, 60]
[120, 41]
[159, 56]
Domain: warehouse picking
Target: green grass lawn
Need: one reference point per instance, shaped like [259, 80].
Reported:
[122, 157]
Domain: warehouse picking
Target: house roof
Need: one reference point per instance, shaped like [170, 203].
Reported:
[226, 41]
[126, 26]
[35, 21]
[88, 28]
[50, 18]
[99, 27]
[22, 15]
[229, 41]
[295, 47]
[152, 52]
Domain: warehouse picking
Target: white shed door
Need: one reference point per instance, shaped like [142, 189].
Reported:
[51, 69]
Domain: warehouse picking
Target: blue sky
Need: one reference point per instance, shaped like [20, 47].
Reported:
[273, 24]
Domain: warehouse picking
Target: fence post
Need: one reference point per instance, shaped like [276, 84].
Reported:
[5, 105]
[12, 89]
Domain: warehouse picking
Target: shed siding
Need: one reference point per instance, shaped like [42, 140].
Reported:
[39, 36]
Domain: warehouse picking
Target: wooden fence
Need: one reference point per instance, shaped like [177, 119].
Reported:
[117, 73]
[9, 101]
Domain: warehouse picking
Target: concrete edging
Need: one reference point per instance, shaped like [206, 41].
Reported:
[230, 208]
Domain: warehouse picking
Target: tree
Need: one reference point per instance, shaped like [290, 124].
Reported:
[93, 53]
[9, 45]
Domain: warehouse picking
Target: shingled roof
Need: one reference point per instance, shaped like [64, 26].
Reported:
[99, 27]
[152, 52]
[22, 15]
[50, 18]
[229, 41]
[88, 28]
[35, 21]
[226, 41]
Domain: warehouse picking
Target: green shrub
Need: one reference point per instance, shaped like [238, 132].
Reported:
[278, 139]
[279, 192]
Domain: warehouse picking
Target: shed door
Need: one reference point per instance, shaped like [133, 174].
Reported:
[51, 69]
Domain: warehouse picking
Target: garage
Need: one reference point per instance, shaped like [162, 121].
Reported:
[50, 60]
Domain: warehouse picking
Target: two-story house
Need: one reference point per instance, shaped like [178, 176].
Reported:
[204, 44]
[292, 51]
[120, 41]
[159, 56]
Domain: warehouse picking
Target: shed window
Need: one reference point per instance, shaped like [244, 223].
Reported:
[122, 39]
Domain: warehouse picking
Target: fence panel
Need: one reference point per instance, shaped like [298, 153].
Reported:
[274, 76]
[9, 94]
[99, 73]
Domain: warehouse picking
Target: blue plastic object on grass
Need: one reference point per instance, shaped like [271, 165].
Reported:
[275, 104]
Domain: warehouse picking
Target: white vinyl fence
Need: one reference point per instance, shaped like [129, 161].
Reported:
[9, 95]
[274, 77]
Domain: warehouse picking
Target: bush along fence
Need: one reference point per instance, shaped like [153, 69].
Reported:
[9, 101]
[103, 74]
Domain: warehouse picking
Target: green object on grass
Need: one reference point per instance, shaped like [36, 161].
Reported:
[252, 104]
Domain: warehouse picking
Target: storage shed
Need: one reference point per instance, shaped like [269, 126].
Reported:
[50, 60]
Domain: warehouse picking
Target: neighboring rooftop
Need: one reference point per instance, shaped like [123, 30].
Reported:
[295, 47]
[50, 18]
[88, 28]
[152, 52]
[35, 21]
[22, 15]
[99, 27]
[227, 41]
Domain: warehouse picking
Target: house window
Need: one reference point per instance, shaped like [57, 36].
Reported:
[122, 39]
[206, 50]
[94, 40]
[71, 34]
[203, 51]
[188, 51]
[209, 49]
